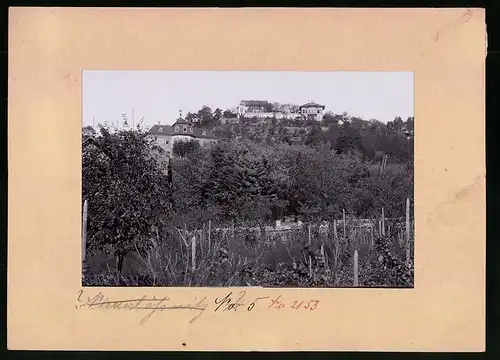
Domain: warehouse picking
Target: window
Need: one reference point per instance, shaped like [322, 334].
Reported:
[176, 129]
[166, 142]
[160, 129]
[185, 129]
[204, 132]
[191, 129]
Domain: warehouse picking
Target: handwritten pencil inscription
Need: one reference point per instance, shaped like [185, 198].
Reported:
[230, 302]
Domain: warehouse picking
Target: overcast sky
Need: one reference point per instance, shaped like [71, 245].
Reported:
[159, 95]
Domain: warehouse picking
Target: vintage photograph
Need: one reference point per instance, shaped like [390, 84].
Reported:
[248, 178]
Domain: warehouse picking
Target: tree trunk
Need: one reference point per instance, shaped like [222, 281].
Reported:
[119, 262]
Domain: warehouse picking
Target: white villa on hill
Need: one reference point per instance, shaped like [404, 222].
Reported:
[312, 111]
[265, 109]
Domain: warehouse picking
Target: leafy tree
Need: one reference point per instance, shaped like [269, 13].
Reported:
[183, 148]
[191, 117]
[205, 116]
[228, 114]
[217, 115]
[329, 118]
[127, 192]
[88, 131]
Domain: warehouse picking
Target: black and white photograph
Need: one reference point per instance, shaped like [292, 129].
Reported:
[288, 179]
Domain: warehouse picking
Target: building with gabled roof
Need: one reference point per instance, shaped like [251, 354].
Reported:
[253, 107]
[165, 136]
[312, 111]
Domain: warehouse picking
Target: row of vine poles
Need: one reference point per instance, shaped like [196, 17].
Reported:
[189, 239]
[403, 238]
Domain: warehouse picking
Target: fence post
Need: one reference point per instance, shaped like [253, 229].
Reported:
[200, 242]
[355, 237]
[84, 232]
[336, 242]
[407, 231]
[371, 242]
[209, 228]
[310, 243]
[202, 237]
[355, 268]
[343, 219]
[383, 222]
[323, 255]
[193, 253]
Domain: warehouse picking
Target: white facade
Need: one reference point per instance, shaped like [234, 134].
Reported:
[312, 111]
[181, 137]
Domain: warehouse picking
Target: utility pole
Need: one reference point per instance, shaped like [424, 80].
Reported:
[133, 119]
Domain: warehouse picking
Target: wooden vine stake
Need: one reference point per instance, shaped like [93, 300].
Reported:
[209, 229]
[343, 219]
[371, 242]
[383, 223]
[407, 231]
[84, 232]
[323, 255]
[310, 259]
[356, 268]
[193, 253]
[336, 242]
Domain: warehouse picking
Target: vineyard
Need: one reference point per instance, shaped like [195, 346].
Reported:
[347, 252]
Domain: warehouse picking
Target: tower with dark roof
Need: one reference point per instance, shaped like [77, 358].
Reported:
[183, 130]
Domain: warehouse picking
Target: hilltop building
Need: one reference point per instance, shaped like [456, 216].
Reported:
[312, 111]
[182, 130]
[265, 109]
[253, 107]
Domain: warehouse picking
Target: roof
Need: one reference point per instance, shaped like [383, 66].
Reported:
[181, 121]
[312, 104]
[198, 133]
[161, 130]
[167, 130]
[254, 102]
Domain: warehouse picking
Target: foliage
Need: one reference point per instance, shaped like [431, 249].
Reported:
[385, 269]
[261, 170]
[126, 191]
[183, 148]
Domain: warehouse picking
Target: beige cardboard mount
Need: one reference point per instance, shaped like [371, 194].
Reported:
[50, 47]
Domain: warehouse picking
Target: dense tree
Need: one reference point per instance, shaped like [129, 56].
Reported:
[191, 117]
[217, 115]
[127, 192]
[205, 116]
[229, 114]
[88, 131]
[183, 148]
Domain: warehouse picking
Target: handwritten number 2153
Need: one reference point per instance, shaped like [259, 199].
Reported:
[311, 305]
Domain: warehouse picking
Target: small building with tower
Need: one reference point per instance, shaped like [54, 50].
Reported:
[165, 136]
